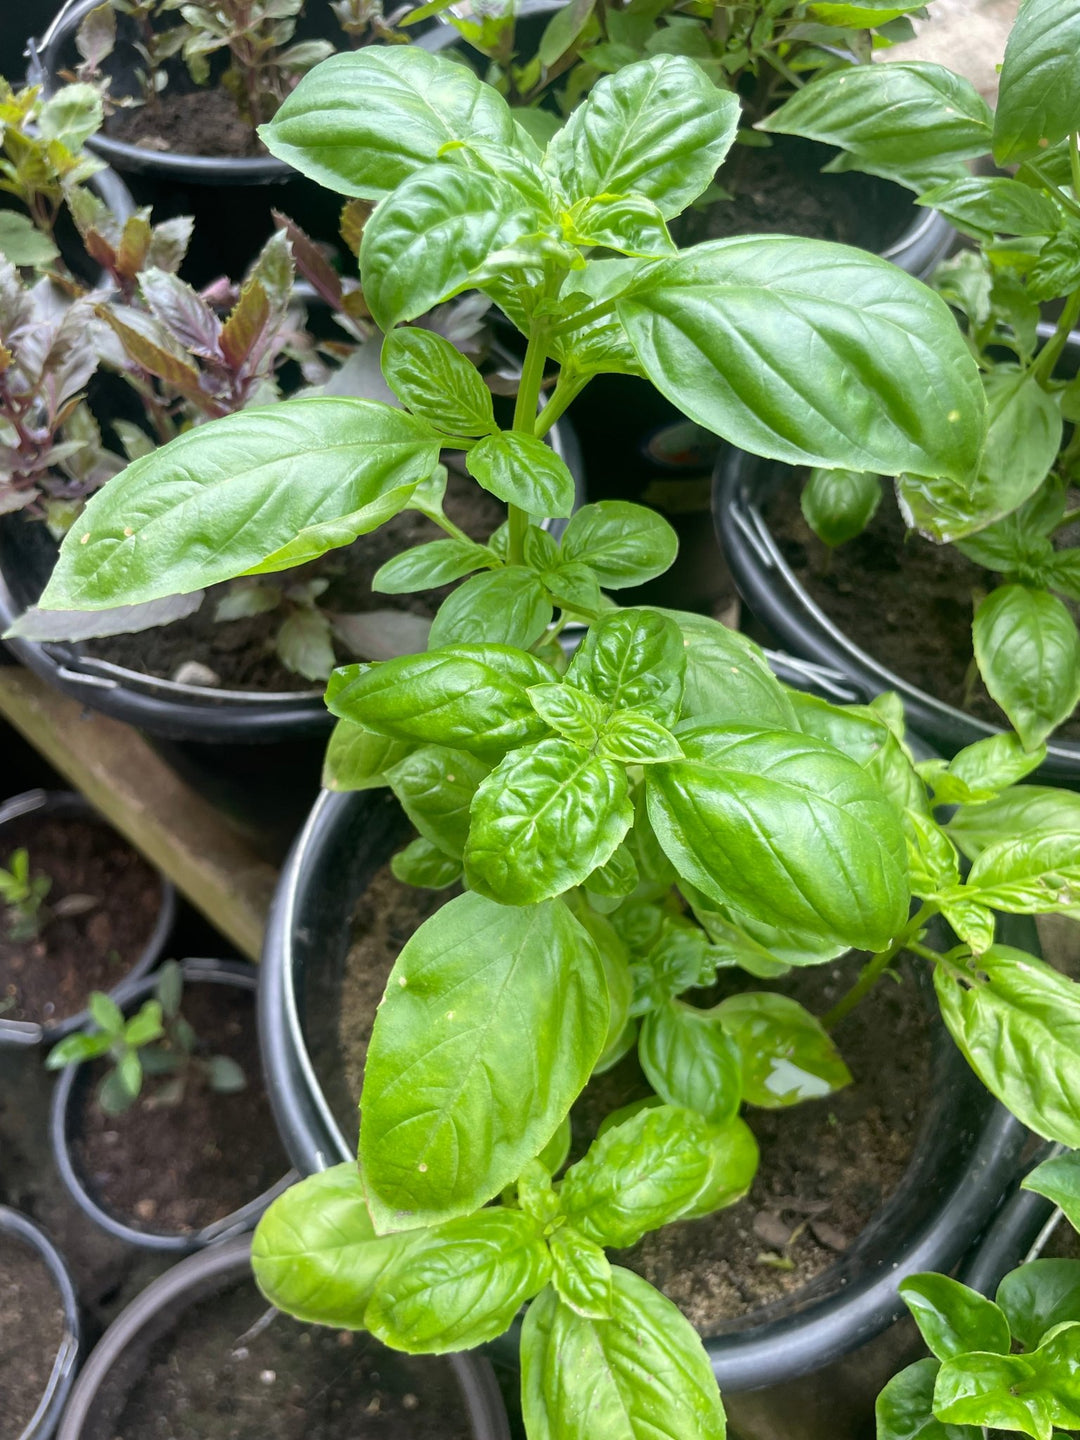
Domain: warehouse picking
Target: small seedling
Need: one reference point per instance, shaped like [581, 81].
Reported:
[157, 1041]
[23, 895]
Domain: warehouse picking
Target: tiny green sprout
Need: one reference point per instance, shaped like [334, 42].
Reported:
[23, 896]
[157, 1041]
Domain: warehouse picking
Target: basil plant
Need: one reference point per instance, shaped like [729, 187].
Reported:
[1006, 1365]
[625, 822]
[922, 126]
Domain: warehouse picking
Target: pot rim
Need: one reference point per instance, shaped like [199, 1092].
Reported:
[70, 802]
[193, 1279]
[236, 973]
[45, 1418]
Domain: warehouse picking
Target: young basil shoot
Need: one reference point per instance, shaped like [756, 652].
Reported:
[23, 897]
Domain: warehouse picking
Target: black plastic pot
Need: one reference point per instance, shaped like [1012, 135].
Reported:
[966, 1156]
[16, 1226]
[71, 1087]
[1017, 1235]
[742, 484]
[66, 803]
[121, 1355]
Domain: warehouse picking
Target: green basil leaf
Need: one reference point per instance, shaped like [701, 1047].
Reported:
[853, 363]
[1039, 96]
[953, 1318]
[426, 866]
[974, 923]
[1059, 1181]
[616, 962]
[728, 680]
[1028, 653]
[564, 27]
[905, 1408]
[717, 812]
[1026, 810]
[1031, 1393]
[522, 470]
[1029, 874]
[427, 237]
[508, 606]
[984, 206]
[633, 660]
[642, 1375]
[633, 738]
[361, 123]
[423, 567]
[612, 882]
[433, 379]
[470, 982]
[935, 865]
[1038, 1296]
[659, 128]
[786, 1053]
[572, 713]
[462, 1284]
[755, 948]
[581, 1274]
[911, 122]
[839, 504]
[574, 587]
[980, 771]
[436, 786]
[264, 489]
[1057, 270]
[613, 1199]
[473, 697]
[600, 343]
[623, 544]
[1018, 1022]
[315, 1253]
[690, 1060]
[628, 224]
[543, 820]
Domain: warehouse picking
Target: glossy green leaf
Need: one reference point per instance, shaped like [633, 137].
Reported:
[435, 786]
[439, 562]
[745, 816]
[454, 1104]
[728, 680]
[659, 128]
[904, 1409]
[543, 820]
[470, 697]
[261, 490]
[912, 122]
[1029, 873]
[508, 606]
[362, 122]
[1059, 1180]
[627, 224]
[433, 379]
[981, 770]
[1039, 95]
[839, 504]
[315, 1253]
[810, 353]
[522, 470]
[461, 1284]
[355, 757]
[642, 1375]
[1028, 653]
[1018, 1022]
[1039, 1295]
[425, 865]
[581, 1274]
[633, 738]
[613, 1199]
[689, 1059]
[623, 544]
[633, 660]
[427, 237]
[1031, 1393]
[983, 206]
[1026, 810]
[953, 1318]
[572, 713]
[786, 1054]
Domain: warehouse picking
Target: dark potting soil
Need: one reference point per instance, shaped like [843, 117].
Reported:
[177, 1167]
[904, 600]
[32, 1329]
[827, 1166]
[202, 122]
[241, 652]
[49, 978]
[211, 1378]
[779, 189]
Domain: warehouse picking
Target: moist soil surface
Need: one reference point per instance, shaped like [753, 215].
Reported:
[904, 600]
[211, 1378]
[175, 1168]
[779, 189]
[826, 1166]
[202, 122]
[241, 653]
[32, 1329]
[49, 978]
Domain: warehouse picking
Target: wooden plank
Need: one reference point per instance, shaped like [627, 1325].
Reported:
[175, 828]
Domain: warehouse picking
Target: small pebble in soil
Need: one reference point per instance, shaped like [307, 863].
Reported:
[194, 672]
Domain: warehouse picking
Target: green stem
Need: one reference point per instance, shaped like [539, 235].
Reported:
[1049, 355]
[924, 952]
[585, 317]
[1055, 190]
[567, 389]
[525, 422]
[873, 970]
